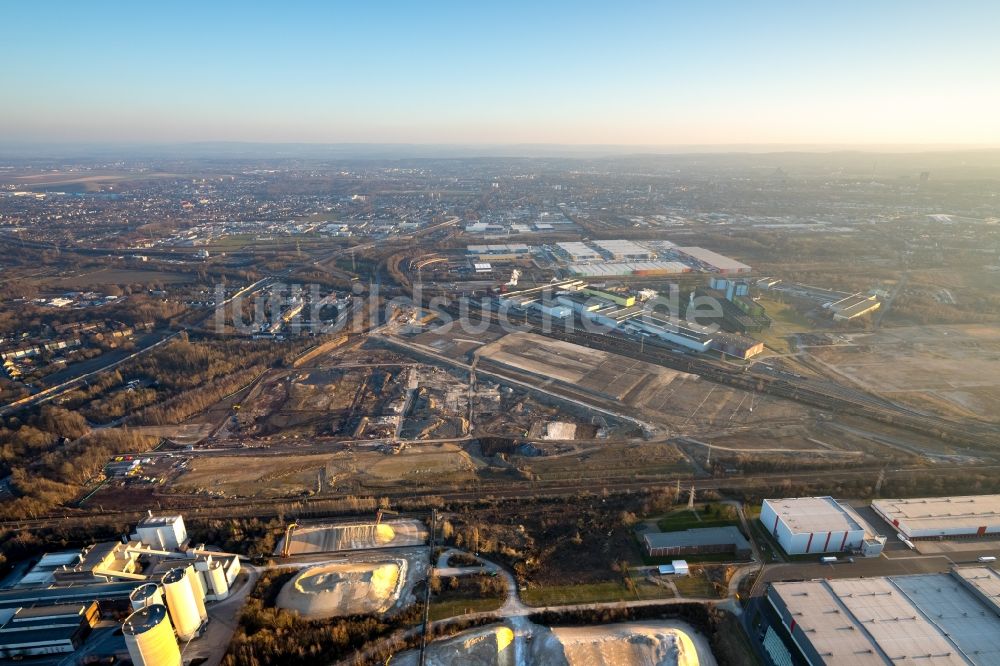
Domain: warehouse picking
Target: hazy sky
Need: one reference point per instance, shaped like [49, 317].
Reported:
[421, 71]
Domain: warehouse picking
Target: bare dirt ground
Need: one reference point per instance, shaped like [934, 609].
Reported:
[423, 461]
[592, 370]
[329, 537]
[683, 402]
[252, 476]
[951, 370]
[186, 433]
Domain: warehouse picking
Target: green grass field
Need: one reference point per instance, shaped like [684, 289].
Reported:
[697, 586]
[562, 595]
[685, 519]
[785, 321]
[103, 276]
[444, 608]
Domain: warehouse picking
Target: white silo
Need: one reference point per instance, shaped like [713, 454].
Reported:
[217, 582]
[150, 639]
[198, 587]
[185, 601]
[146, 595]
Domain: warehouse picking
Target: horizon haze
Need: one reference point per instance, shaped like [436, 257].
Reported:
[642, 75]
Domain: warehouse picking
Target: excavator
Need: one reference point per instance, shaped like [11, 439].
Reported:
[382, 512]
[287, 544]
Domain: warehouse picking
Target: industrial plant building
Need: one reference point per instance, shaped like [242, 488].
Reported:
[700, 541]
[804, 525]
[578, 252]
[623, 250]
[709, 261]
[942, 517]
[51, 609]
[919, 619]
[740, 313]
[163, 532]
[600, 258]
[498, 252]
[46, 629]
[853, 306]
[626, 312]
[630, 268]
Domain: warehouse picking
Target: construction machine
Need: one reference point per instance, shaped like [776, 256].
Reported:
[382, 512]
[287, 544]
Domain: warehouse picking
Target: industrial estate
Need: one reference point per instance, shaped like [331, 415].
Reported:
[674, 410]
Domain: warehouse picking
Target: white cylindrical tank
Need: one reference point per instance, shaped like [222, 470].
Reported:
[150, 639]
[217, 580]
[198, 587]
[185, 601]
[146, 595]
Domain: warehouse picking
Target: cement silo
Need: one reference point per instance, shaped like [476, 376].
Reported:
[185, 601]
[146, 595]
[150, 639]
[216, 577]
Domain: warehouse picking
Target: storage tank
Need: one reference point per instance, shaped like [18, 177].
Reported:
[185, 601]
[217, 580]
[150, 639]
[146, 595]
[198, 586]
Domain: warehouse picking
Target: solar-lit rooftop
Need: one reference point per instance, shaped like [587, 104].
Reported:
[942, 513]
[932, 619]
[815, 514]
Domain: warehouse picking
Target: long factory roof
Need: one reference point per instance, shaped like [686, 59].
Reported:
[985, 582]
[931, 619]
[942, 513]
[711, 258]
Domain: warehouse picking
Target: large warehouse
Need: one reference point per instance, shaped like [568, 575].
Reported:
[931, 619]
[805, 525]
[934, 517]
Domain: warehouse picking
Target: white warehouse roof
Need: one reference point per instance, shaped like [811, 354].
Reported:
[719, 261]
[941, 515]
[984, 581]
[622, 247]
[578, 250]
[922, 619]
[804, 515]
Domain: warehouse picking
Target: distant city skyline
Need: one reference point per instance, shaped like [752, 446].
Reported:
[611, 74]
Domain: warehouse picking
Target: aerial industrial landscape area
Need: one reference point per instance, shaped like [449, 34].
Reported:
[500, 334]
[730, 409]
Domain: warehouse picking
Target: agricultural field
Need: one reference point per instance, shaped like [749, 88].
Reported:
[122, 276]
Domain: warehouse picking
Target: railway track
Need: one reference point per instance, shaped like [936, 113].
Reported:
[320, 506]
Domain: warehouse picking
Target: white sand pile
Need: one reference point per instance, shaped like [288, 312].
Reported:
[488, 646]
[653, 643]
[645, 644]
[334, 590]
[358, 536]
